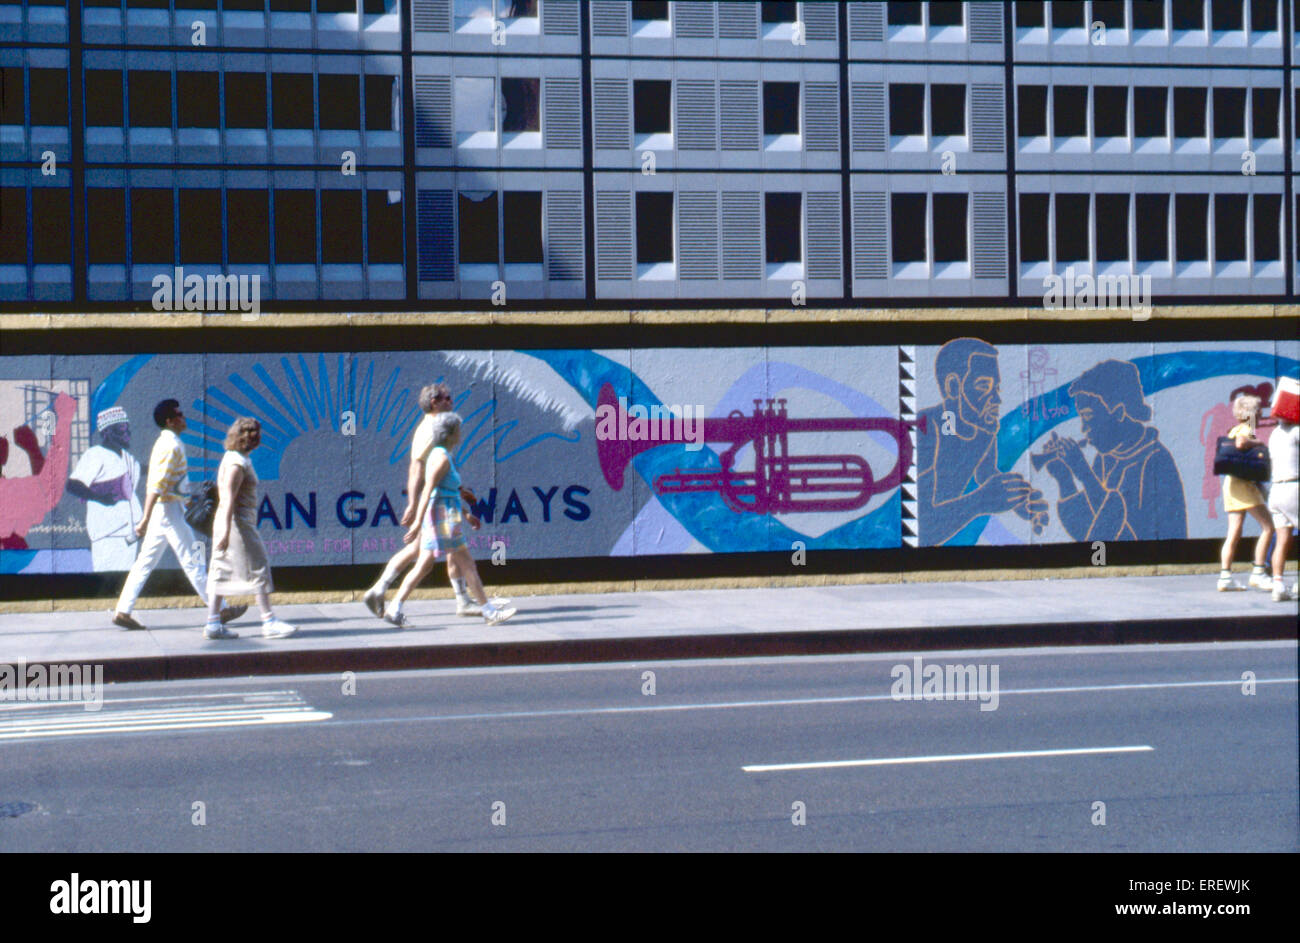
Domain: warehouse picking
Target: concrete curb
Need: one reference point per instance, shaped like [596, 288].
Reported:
[1281, 626]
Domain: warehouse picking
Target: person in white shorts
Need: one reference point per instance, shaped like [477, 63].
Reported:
[163, 523]
[1284, 496]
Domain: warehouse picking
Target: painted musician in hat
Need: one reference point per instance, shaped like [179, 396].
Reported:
[106, 478]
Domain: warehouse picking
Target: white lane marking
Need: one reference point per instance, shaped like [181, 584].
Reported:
[260, 696]
[949, 758]
[31, 721]
[785, 702]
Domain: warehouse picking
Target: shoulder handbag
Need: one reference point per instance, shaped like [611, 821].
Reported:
[1247, 464]
[201, 508]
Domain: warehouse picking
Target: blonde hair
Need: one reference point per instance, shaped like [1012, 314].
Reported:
[243, 432]
[1245, 408]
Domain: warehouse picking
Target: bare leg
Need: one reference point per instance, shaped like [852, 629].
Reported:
[214, 608]
[1265, 535]
[264, 606]
[1235, 521]
[399, 562]
[469, 572]
[421, 569]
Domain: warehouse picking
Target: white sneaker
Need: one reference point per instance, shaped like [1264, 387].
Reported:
[1282, 594]
[468, 608]
[1226, 585]
[397, 618]
[219, 631]
[374, 600]
[497, 616]
[277, 628]
[1261, 581]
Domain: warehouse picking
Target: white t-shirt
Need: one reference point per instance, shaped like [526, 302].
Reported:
[99, 464]
[1284, 452]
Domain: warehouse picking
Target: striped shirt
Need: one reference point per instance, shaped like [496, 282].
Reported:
[167, 467]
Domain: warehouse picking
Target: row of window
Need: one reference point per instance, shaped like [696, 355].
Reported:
[1232, 111]
[292, 226]
[372, 7]
[1180, 15]
[148, 225]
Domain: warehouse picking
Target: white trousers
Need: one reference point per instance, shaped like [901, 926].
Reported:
[167, 527]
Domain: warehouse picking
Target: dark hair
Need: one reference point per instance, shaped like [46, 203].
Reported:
[165, 410]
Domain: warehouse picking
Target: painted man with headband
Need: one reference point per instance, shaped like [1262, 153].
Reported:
[106, 478]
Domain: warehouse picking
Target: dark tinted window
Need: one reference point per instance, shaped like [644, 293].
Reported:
[1229, 112]
[104, 97]
[1267, 226]
[1230, 227]
[780, 107]
[1030, 14]
[295, 226]
[11, 96]
[150, 95]
[340, 102]
[383, 228]
[949, 227]
[1189, 112]
[1108, 12]
[1071, 227]
[13, 237]
[1067, 15]
[654, 228]
[105, 226]
[49, 94]
[291, 100]
[1150, 111]
[1033, 227]
[780, 12]
[1032, 110]
[1226, 15]
[379, 102]
[153, 230]
[1148, 14]
[248, 227]
[1069, 110]
[340, 219]
[1152, 220]
[523, 225]
[947, 13]
[1188, 14]
[479, 232]
[200, 226]
[650, 11]
[291, 6]
[907, 227]
[1265, 112]
[1110, 111]
[1112, 227]
[198, 100]
[904, 14]
[245, 100]
[1263, 15]
[652, 106]
[783, 218]
[906, 109]
[947, 110]
[1190, 236]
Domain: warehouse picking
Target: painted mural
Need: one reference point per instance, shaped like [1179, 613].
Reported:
[583, 453]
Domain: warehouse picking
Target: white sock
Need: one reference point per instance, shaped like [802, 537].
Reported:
[1259, 568]
[268, 618]
[458, 586]
[1224, 574]
[488, 608]
[394, 608]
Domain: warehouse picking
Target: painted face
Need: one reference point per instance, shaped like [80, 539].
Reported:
[1097, 423]
[980, 397]
[118, 436]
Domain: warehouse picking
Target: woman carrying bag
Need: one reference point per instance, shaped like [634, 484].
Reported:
[1242, 497]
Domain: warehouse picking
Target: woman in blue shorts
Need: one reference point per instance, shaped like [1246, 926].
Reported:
[439, 526]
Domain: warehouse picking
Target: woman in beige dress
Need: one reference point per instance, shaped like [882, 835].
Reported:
[1242, 497]
[239, 564]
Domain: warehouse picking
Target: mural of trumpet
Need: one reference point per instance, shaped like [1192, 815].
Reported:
[780, 482]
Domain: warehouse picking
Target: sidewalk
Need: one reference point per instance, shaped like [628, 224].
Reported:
[649, 626]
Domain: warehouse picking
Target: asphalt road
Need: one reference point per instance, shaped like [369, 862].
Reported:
[723, 756]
